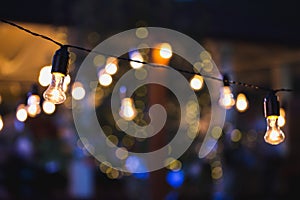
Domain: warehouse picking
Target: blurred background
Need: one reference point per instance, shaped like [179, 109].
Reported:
[253, 42]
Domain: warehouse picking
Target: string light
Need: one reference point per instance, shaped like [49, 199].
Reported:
[281, 118]
[21, 113]
[1, 123]
[274, 134]
[226, 97]
[78, 91]
[161, 56]
[55, 92]
[48, 107]
[241, 102]
[162, 53]
[104, 79]
[196, 82]
[45, 76]
[111, 66]
[127, 110]
[33, 102]
[135, 55]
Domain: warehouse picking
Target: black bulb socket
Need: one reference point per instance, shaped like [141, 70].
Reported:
[226, 80]
[60, 61]
[271, 105]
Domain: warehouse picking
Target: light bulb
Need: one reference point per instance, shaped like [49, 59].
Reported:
[274, 134]
[33, 110]
[67, 81]
[166, 50]
[162, 53]
[55, 92]
[135, 55]
[226, 98]
[1, 123]
[111, 66]
[104, 78]
[78, 92]
[196, 82]
[127, 110]
[241, 102]
[48, 107]
[33, 102]
[21, 113]
[281, 118]
[45, 76]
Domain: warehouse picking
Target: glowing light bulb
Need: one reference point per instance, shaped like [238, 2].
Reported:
[226, 98]
[165, 50]
[127, 110]
[67, 81]
[48, 107]
[274, 134]
[33, 102]
[281, 118]
[135, 55]
[21, 113]
[111, 66]
[33, 105]
[162, 53]
[1, 123]
[104, 78]
[33, 110]
[55, 92]
[196, 82]
[78, 91]
[241, 102]
[45, 76]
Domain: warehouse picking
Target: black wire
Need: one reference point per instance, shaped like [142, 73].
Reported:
[231, 82]
[31, 32]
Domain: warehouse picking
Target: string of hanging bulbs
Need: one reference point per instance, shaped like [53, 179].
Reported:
[55, 93]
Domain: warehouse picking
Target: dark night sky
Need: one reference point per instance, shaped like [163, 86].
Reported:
[255, 20]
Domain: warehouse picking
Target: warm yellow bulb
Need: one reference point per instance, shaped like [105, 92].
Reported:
[55, 92]
[48, 107]
[33, 105]
[45, 76]
[1, 123]
[196, 82]
[127, 110]
[281, 118]
[241, 102]
[21, 113]
[33, 110]
[138, 57]
[111, 66]
[78, 92]
[165, 50]
[66, 83]
[274, 134]
[226, 98]
[104, 78]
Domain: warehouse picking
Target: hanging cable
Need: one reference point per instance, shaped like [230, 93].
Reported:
[231, 82]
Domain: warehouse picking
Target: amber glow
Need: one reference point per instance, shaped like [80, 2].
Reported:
[196, 82]
[127, 110]
[241, 103]
[162, 53]
[226, 98]
[274, 134]
[55, 92]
